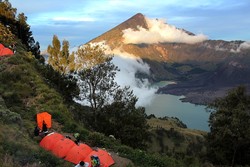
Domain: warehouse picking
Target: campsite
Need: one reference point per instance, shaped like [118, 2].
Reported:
[65, 148]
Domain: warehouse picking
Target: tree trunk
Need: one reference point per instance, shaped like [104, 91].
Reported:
[233, 160]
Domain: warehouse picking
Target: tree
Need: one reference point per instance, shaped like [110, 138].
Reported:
[59, 72]
[7, 23]
[123, 120]
[229, 136]
[54, 53]
[97, 76]
[60, 59]
[6, 37]
[113, 107]
[18, 27]
[7, 13]
[25, 34]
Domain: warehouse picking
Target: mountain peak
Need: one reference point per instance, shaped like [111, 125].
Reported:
[115, 34]
[134, 22]
[137, 17]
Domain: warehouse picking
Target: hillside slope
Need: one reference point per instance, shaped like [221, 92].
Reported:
[24, 92]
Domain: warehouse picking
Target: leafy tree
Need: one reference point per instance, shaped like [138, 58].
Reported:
[229, 136]
[114, 110]
[60, 75]
[54, 53]
[35, 49]
[7, 13]
[7, 23]
[90, 55]
[123, 120]
[59, 59]
[97, 76]
[6, 37]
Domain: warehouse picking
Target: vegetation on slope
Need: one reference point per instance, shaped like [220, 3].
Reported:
[25, 92]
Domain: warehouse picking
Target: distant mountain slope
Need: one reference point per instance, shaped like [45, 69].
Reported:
[209, 50]
[113, 37]
[207, 64]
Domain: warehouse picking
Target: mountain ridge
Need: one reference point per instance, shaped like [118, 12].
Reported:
[183, 62]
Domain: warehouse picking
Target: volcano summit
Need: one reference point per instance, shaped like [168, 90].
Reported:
[203, 69]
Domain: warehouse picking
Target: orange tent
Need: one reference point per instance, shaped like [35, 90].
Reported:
[1, 46]
[49, 141]
[62, 147]
[78, 153]
[105, 158]
[5, 51]
[44, 116]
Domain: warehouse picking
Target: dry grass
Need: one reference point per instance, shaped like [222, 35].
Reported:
[155, 123]
[168, 137]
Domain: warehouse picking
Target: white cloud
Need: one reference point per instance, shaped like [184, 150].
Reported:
[243, 46]
[126, 77]
[160, 32]
[129, 65]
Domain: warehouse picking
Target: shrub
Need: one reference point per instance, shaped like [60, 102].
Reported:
[97, 139]
[69, 127]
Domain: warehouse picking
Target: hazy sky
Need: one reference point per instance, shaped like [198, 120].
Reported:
[79, 21]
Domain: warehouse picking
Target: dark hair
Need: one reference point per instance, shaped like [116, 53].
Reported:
[81, 163]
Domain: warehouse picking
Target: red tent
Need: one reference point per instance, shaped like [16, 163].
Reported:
[1, 46]
[105, 158]
[44, 116]
[62, 147]
[5, 51]
[49, 141]
[78, 153]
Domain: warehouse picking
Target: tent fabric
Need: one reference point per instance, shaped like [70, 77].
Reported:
[105, 158]
[78, 153]
[1, 46]
[49, 141]
[62, 147]
[44, 116]
[65, 148]
[5, 51]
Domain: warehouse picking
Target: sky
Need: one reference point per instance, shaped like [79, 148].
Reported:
[79, 21]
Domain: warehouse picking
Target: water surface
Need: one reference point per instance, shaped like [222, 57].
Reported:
[194, 116]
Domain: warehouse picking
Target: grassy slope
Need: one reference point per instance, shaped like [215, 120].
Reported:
[23, 93]
[168, 137]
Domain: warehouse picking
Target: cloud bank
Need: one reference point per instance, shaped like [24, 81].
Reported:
[126, 77]
[243, 46]
[129, 65]
[160, 32]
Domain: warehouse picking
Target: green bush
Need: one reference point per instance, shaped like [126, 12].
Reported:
[84, 134]
[10, 117]
[48, 160]
[97, 139]
[69, 127]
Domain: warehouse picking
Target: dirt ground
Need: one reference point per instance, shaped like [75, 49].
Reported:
[120, 161]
